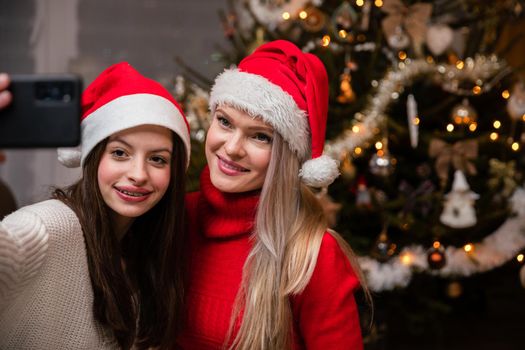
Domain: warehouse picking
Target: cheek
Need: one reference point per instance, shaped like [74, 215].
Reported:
[212, 142]
[161, 179]
[104, 172]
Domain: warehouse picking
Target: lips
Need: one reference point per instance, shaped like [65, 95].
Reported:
[230, 168]
[132, 194]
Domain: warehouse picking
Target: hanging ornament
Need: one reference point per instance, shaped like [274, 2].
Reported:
[330, 208]
[179, 88]
[399, 39]
[259, 40]
[459, 211]
[315, 20]
[383, 248]
[436, 256]
[459, 155]
[362, 194]
[454, 290]
[382, 163]
[344, 17]
[463, 113]
[439, 38]
[516, 102]
[413, 121]
[365, 15]
[410, 19]
[347, 168]
[347, 94]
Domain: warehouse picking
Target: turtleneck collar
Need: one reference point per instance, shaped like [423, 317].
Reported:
[225, 215]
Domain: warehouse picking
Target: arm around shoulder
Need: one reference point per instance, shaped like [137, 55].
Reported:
[23, 246]
[326, 313]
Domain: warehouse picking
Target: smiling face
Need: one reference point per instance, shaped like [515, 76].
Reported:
[238, 149]
[134, 171]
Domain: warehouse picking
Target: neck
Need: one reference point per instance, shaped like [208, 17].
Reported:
[120, 224]
[227, 214]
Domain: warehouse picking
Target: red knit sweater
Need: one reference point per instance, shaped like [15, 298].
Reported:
[325, 313]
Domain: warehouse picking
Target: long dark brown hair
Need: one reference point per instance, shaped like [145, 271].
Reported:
[137, 282]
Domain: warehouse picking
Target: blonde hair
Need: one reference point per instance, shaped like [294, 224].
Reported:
[283, 257]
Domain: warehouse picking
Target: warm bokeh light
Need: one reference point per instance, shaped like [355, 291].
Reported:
[515, 146]
[436, 244]
[520, 258]
[469, 248]
[494, 136]
[325, 41]
[476, 90]
[496, 124]
[379, 145]
[450, 127]
[505, 94]
[473, 126]
[343, 34]
[358, 150]
[286, 15]
[303, 14]
[402, 55]
[460, 64]
[359, 2]
[406, 258]
[355, 129]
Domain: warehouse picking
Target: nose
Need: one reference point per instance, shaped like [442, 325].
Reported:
[137, 172]
[234, 147]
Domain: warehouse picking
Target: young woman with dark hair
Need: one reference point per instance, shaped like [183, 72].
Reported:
[99, 266]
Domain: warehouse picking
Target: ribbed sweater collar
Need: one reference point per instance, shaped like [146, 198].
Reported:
[225, 215]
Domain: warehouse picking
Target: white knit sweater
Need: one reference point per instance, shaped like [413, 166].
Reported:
[46, 298]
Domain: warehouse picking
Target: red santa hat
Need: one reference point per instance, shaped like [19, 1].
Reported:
[121, 98]
[289, 90]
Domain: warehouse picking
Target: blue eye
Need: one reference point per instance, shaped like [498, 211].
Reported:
[263, 138]
[223, 121]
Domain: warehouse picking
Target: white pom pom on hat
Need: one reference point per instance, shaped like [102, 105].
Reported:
[289, 90]
[121, 98]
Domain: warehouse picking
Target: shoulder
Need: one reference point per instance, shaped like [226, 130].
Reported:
[47, 216]
[333, 263]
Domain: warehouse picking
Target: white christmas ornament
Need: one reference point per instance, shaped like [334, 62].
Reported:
[459, 211]
[439, 38]
[516, 102]
[413, 125]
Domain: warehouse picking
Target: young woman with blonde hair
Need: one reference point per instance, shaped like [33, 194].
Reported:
[264, 270]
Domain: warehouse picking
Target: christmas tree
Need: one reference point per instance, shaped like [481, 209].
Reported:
[427, 114]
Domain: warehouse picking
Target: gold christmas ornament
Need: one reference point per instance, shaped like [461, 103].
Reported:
[314, 21]
[347, 94]
[463, 114]
[436, 256]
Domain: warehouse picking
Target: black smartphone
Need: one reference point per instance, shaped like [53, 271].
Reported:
[45, 112]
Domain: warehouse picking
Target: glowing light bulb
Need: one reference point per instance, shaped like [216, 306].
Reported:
[325, 41]
[406, 259]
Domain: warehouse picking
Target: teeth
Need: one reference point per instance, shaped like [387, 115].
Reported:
[133, 194]
[232, 167]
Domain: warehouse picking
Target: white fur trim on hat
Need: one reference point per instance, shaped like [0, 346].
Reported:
[259, 97]
[69, 156]
[319, 172]
[126, 112]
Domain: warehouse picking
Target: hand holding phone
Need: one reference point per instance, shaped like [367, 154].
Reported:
[44, 112]
[5, 95]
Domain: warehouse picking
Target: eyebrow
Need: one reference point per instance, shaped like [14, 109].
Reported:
[267, 128]
[117, 139]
